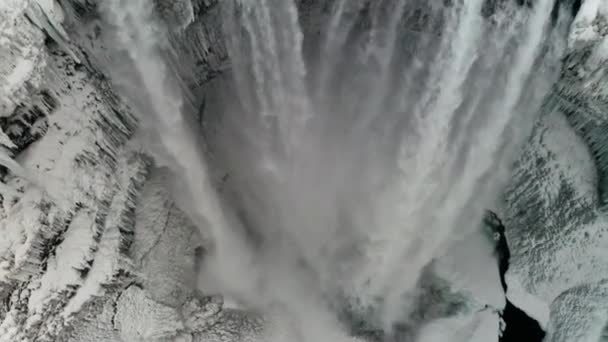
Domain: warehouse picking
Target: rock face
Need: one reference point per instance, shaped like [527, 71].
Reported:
[70, 187]
[94, 248]
[84, 218]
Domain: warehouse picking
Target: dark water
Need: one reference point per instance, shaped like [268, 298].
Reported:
[520, 327]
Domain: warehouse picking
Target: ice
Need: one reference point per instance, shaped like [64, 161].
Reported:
[579, 314]
[534, 307]
[587, 24]
[70, 258]
[48, 16]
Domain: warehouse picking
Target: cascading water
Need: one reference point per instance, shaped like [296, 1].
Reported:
[351, 170]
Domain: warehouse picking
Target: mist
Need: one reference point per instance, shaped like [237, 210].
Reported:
[352, 166]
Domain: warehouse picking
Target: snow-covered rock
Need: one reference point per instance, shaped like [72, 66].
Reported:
[22, 53]
[555, 215]
[589, 26]
[580, 314]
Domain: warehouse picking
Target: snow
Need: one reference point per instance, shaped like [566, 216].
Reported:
[481, 326]
[178, 14]
[579, 314]
[61, 182]
[70, 256]
[568, 157]
[557, 236]
[584, 29]
[141, 319]
[19, 75]
[19, 232]
[168, 270]
[48, 15]
[151, 216]
[543, 263]
[470, 267]
[536, 308]
[22, 55]
[99, 328]
[599, 54]
[10, 10]
[7, 161]
[70, 135]
[108, 259]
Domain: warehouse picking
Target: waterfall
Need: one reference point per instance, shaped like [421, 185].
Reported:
[387, 154]
[353, 169]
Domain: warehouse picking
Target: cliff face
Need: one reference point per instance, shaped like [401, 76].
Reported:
[555, 217]
[94, 248]
[70, 187]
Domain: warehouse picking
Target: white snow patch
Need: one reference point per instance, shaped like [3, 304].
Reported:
[19, 230]
[5, 140]
[108, 258]
[544, 267]
[21, 73]
[470, 267]
[10, 10]
[583, 29]
[69, 134]
[107, 263]
[140, 319]
[482, 326]
[70, 256]
[598, 56]
[48, 15]
[580, 314]
[53, 10]
[570, 159]
[533, 306]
